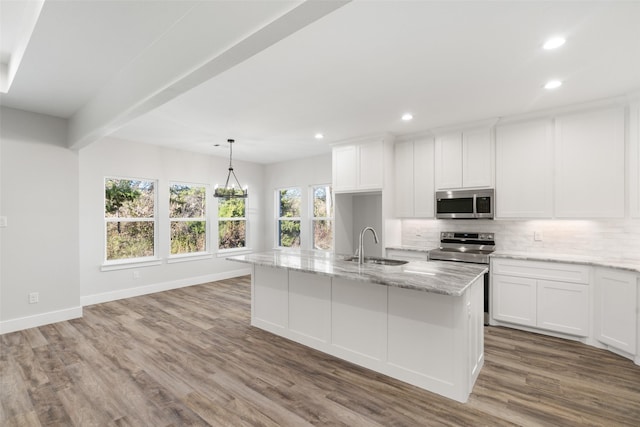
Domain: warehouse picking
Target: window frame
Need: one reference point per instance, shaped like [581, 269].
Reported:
[313, 218]
[287, 218]
[154, 259]
[205, 218]
[245, 218]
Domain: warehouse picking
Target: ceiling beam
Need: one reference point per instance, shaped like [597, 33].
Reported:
[144, 86]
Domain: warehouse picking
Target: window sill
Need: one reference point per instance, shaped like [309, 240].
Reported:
[122, 265]
[189, 257]
[232, 252]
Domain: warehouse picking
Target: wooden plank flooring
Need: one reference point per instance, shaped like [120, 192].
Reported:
[189, 357]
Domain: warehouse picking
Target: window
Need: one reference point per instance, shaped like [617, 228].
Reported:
[289, 217]
[322, 219]
[232, 223]
[129, 214]
[187, 213]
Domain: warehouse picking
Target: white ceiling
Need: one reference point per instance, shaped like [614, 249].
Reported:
[189, 74]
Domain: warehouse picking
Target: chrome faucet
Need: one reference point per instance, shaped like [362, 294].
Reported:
[360, 247]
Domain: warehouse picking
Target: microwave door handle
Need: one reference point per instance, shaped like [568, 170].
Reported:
[475, 206]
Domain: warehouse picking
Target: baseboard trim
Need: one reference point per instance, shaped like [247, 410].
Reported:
[14, 325]
[159, 287]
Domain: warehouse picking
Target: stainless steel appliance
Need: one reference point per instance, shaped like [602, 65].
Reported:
[467, 247]
[465, 204]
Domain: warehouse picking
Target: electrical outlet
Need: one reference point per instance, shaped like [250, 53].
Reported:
[136, 274]
[537, 236]
[3, 221]
[34, 297]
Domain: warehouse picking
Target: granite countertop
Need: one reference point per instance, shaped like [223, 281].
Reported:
[439, 277]
[619, 263]
[410, 248]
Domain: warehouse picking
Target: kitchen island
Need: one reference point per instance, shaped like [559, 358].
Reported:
[421, 322]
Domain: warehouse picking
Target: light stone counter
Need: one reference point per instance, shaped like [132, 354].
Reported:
[622, 264]
[439, 277]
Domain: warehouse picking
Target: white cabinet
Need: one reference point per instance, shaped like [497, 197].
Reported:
[542, 295]
[616, 309]
[524, 170]
[414, 178]
[359, 166]
[634, 159]
[464, 159]
[590, 164]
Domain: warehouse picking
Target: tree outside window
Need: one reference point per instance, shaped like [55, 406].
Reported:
[232, 223]
[289, 200]
[187, 211]
[322, 220]
[129, 218]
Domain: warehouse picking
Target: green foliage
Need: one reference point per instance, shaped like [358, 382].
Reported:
[187, 201]
[289, 233]
[232, 234]
[188, 237]
[290, 200]
[129, 240]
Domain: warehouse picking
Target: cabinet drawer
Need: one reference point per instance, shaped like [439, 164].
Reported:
[571, 273]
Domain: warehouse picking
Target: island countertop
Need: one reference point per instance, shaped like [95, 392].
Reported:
[447, 278]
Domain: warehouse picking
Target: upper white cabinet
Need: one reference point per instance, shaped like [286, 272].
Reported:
[359, 166]
[590, 164]
[464, 159]
[634, 159]
[414, 178]
[524, 170]
[616, 309]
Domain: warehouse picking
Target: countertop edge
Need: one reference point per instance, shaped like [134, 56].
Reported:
[570, 259]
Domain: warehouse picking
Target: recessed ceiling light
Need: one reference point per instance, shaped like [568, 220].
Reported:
[553, 84]
[554, 43]
[319, 136]
[407, 117]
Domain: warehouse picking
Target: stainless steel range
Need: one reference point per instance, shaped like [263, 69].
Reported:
[467, 247]
[464, 247]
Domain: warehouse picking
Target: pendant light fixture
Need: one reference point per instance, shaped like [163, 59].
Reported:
[231, 192]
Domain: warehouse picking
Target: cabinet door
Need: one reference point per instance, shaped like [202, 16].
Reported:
[448, 163]
[590, 165]
[423, 178]
[404, 174]
[524, 170]
[345, 167]
[371, 165]
[477, 159]
[634, 159]
[563, 307]
[615, 311]
[514, 299]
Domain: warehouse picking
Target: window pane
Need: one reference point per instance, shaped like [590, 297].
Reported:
[289, 234]
[127, 198]
[129, 239]
[322, 234]
[290, 203]
[186, 201]
[231, 208]
[232, 234]
[322, 206]
[188, 237]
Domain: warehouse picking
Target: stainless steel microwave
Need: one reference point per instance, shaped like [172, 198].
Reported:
[465, 204]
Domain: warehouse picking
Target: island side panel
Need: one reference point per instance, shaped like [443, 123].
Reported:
[359, 320]
[270, 299]
[310, 308]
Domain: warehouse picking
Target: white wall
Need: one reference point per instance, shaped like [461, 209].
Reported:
[112, 157]
[39, 197]
[302, 173]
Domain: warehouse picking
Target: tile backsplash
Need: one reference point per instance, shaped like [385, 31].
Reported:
[612, 239]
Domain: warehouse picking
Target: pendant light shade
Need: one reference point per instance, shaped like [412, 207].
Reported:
[231, 191]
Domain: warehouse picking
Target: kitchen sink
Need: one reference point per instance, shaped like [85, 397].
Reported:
[375, 260]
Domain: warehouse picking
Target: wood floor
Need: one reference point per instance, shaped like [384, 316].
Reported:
[189, 357]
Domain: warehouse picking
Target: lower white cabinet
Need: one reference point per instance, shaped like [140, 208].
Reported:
[616, 309]
[527, 297]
